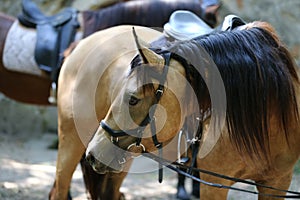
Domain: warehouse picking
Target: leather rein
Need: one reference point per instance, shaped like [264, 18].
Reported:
[178, 166]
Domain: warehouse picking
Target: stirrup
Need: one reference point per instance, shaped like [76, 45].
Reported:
[53, 94]
[180, 159]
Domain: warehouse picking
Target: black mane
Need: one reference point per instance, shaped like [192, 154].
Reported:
[258, 75]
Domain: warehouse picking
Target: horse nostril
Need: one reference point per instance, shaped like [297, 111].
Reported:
[90, 158]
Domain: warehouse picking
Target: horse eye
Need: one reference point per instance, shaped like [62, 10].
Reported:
[133, 101]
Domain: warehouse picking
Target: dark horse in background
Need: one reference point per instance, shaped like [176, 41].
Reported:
[33, 89]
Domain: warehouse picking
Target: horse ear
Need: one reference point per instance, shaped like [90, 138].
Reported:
[148, 56]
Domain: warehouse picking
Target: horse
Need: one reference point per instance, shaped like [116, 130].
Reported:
[34, 88]
[243, 87]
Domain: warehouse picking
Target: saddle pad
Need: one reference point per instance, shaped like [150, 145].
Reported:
[18, 54]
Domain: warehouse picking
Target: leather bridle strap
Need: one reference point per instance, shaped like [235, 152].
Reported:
[150, 116]
[177, 167]
[159, 92]
[149, 119]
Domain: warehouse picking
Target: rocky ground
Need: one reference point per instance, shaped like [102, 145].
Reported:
[27, 168]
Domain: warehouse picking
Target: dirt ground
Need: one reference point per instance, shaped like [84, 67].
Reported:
[27, 168]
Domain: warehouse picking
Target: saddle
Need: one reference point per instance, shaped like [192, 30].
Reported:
[185, 25]
[54, 33]
[231, 22]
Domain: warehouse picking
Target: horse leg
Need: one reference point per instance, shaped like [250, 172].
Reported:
[278, 182]
[181, 192]
[70, 151]
[102, 186]
[196, 186]
[111, 190]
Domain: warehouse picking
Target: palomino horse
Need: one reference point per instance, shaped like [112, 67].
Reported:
[34, 89]
[252, 131]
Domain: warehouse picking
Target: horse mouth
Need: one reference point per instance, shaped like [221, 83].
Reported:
[103, 169]
[114, 166]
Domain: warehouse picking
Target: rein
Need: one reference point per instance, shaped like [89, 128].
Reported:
[177, 167]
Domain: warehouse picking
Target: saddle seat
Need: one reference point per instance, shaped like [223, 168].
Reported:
[185, 25]
[31, 15]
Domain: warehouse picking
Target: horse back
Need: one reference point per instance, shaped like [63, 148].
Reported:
[140, 12]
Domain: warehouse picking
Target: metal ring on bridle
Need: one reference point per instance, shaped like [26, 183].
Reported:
[138, 146]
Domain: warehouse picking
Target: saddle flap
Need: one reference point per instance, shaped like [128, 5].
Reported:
[47, 47]
[185, 25]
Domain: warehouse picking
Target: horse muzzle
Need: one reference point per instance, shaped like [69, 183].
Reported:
[114, 166]
[106, 157]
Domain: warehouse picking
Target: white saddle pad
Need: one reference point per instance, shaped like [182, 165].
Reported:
[18, 54]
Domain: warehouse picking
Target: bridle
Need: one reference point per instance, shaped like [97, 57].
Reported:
[148, 120]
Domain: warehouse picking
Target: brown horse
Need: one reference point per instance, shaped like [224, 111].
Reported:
[34, 89]
[247, 79]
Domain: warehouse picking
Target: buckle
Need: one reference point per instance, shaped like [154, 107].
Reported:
[114, 139]
[183, 160]
[123, 161]
[159, 92]
[159, 145]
